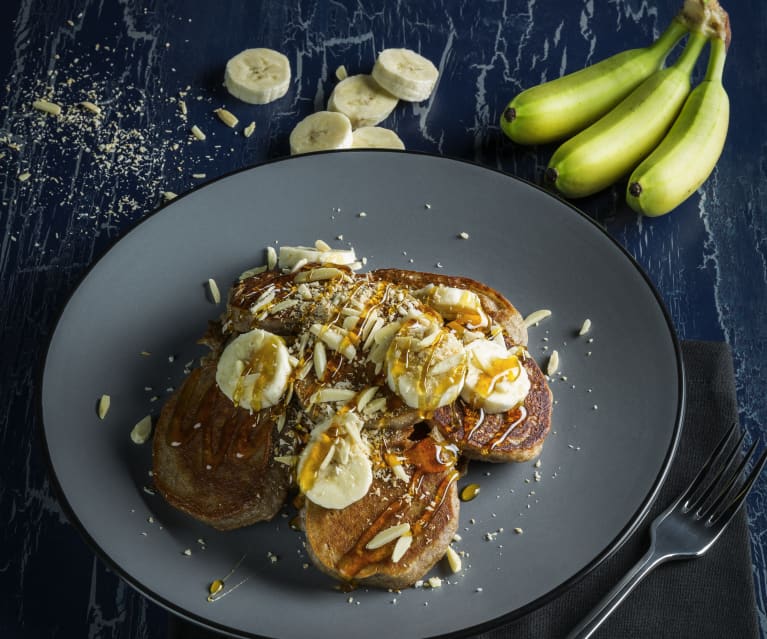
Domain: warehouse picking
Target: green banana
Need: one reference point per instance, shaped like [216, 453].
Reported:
[616, 143]
[561, 107]
[688, 154]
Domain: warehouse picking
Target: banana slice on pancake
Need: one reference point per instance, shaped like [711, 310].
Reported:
[425, 364]
[335, 469]
[495, 380]
[254, 369]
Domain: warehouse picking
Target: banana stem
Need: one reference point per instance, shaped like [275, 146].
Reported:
[674, 31]
[716, 60]
[691, 52]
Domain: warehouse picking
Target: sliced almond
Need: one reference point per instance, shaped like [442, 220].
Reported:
[388, 535]
[142, 430]
[197, 133]
[453, 559]
[402, 546]
[104, 403]
[585, 327]
[90, 106]
[215, 294]
[248, 130]
[47, 107]
[536, 316]
[553, 364]
[227, 117]
[325, 395]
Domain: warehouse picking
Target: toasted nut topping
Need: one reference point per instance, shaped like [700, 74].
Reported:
[182, 107]
[168, 196]
[47, 107]
[435, 582]
[553, 364]
[23, 177]
[585, 327]
[142, 430]
[215, 294]
[248, 130]
[536, 317]
[387, 535]
[341, 73]
[104, 403]
[227, 117]
[321, 245]
[197, 133]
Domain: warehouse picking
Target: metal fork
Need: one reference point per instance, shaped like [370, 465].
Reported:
[690, 525]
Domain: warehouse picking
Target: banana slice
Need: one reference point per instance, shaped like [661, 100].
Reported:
[495, 381]
[425, 364]
[321, 131]
[405, 74]
[362, 100]
[254, 369]
[376, 137]
[334, 469]
[454, 303]
[257, 76]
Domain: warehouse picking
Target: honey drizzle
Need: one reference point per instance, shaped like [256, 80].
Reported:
[426, 461]
[498, 440]
[224, 429]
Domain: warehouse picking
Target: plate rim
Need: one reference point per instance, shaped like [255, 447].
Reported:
[612, 547]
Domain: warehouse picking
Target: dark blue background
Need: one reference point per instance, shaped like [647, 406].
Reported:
[90, 184]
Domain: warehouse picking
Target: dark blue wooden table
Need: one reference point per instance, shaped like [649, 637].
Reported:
[90, 179]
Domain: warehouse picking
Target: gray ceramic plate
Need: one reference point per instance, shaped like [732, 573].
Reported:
[617, 416]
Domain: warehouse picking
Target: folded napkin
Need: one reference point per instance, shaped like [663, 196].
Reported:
[711, 597]
[707, 598]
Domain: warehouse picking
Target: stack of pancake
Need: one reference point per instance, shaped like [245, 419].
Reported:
[358, 397]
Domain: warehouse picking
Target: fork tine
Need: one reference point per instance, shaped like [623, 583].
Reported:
[694, 484]
[728, 512]
[717, 479]
[730, 483]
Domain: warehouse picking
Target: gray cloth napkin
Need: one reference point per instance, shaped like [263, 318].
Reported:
[711, 597]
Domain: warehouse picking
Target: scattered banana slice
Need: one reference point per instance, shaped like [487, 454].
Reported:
[425, 364]
[321, 131]
[495, 381]
[254, 369]
[362, 100]
[334, 469]
[376, 137]
[258, 76]
[405, 74]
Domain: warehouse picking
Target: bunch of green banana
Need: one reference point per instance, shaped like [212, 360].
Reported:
[688, 154]
[558, 108]
[647, 120]
[612, 146]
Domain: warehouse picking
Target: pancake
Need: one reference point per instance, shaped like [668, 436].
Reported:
[516, 435]
[337, 539]
[216, 462]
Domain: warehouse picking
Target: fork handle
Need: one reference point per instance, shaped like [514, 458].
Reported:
[613, 599]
